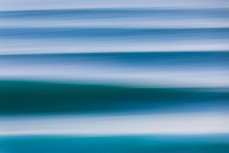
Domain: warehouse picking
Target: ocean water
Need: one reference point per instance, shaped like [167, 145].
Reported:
[103, 76]
[122, 144]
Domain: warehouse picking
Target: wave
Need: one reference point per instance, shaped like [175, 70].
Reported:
[23, 97]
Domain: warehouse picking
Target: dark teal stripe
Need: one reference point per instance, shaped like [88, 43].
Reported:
[46, 97]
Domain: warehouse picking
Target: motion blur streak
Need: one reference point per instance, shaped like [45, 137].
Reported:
[119, 125]
[117, 76]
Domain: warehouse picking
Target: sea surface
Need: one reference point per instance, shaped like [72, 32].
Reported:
[114, 76]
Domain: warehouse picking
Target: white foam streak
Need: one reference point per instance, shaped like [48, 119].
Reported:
[38, 47]
[188, 123]
[117, 75]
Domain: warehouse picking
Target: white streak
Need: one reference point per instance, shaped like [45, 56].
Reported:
[198, 123]
[105, 46]
[70, 4]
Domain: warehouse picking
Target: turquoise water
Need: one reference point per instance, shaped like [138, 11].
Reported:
[113, 144]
